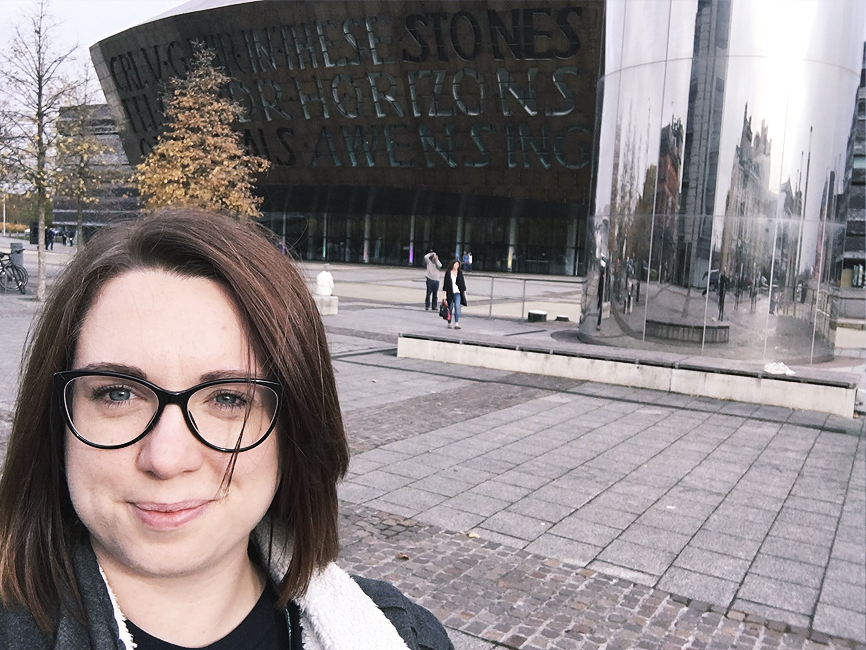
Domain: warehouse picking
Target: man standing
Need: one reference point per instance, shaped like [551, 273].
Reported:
[433, 265]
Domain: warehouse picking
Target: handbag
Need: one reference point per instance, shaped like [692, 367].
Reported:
[444, 312]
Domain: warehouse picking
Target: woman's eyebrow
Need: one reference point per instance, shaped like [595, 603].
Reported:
[132, 371]
[138, 373]
[228, 374]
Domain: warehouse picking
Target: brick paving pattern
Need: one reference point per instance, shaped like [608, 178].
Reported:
[375, 426]
[511, 598]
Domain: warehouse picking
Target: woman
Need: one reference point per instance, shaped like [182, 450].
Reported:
[171, 474]
[455, 292]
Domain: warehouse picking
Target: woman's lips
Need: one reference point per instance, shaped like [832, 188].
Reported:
[168, 516]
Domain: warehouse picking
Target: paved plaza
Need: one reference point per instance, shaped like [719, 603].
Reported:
[538, 512]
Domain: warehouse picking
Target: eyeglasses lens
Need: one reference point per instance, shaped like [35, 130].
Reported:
[110, 411]
[235, 414]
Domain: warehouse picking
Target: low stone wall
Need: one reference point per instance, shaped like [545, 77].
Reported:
[849, 336]
[825, 391]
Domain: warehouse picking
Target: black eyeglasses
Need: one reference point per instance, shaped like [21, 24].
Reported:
[110, 410]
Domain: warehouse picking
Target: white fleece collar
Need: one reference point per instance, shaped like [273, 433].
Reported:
[120, 619]
[338, 615]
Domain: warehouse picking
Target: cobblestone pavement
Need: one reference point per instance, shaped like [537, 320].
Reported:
[492, 595]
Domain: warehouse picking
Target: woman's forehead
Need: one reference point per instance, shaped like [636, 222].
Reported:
[165, 324]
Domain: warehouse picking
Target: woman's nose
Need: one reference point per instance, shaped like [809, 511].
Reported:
[170, 448]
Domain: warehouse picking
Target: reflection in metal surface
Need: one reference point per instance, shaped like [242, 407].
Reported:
[729, 192]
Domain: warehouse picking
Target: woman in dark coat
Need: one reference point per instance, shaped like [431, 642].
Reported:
[455, 292]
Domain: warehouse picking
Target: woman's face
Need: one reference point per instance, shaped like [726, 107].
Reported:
[155, 508]
[455, 266]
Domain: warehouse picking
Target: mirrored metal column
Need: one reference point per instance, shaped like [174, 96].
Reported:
[725, 155]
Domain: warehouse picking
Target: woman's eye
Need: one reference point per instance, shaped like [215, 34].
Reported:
[113, 393]
[229, 399]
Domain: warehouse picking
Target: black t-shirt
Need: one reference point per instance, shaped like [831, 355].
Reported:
[264, 628]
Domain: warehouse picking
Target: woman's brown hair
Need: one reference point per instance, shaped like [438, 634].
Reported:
[38, 526]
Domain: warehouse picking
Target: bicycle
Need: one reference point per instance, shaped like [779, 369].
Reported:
[11, 275]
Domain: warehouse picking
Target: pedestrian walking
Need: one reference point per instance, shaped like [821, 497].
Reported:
[431, 299]
[455, 292]
[601, 272]
[629, 286]
[201, 514]
[723, 289]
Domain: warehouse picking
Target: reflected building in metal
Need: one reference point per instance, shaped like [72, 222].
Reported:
[850, 262]
[703, 129]
[761, 261]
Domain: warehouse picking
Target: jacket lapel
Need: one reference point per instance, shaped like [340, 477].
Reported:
[335, 612]
[342, 617]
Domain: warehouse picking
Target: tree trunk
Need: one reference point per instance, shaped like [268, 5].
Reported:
[40, 246]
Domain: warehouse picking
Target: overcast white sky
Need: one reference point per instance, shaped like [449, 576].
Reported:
[84, 22]
[88, 21]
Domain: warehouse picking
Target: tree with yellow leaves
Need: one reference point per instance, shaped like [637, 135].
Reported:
[199, 161]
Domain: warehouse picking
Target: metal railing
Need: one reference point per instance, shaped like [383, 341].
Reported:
[514, 297]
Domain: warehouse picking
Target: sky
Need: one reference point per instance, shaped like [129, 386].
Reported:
[88, 21]
[84, 22]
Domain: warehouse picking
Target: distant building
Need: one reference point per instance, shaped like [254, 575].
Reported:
[393, 127]
[703, 132]
[851, 203]
[848, 276]
[747, 246]
[115, 198]
[667, 205]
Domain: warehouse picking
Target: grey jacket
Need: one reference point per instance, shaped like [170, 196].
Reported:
[433, 266]
[419, 629]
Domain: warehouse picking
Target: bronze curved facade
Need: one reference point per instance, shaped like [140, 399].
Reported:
[395, 126]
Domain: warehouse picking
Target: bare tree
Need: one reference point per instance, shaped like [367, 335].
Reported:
[34, 82]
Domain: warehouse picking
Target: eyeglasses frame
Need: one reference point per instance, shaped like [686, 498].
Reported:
[164, 398]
